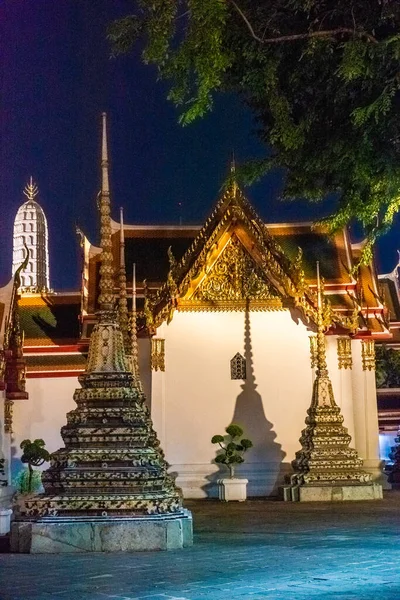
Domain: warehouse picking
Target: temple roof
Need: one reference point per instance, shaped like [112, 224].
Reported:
[50, 320]
[233, 262]
[54, 363]
[273, 247]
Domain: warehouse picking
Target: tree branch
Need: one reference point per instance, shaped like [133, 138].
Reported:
[302, 36]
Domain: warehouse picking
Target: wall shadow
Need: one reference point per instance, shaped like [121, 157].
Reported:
[263, 464]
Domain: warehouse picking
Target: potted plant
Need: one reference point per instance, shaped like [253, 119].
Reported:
[34, 455]
[231, 449]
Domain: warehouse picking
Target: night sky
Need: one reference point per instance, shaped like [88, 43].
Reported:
[56, 79]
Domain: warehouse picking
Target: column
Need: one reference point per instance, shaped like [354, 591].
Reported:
[366, 428]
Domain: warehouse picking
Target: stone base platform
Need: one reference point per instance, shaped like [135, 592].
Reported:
[332, 493]
[52, 535]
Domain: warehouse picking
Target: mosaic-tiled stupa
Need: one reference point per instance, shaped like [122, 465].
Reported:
[327, 468]
[108, 489]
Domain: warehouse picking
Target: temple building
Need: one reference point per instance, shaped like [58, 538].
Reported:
[227, 319]
[31, 234]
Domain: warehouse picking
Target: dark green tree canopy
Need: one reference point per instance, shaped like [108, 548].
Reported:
[322, 78]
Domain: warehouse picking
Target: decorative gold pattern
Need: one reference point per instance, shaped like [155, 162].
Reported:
[205, 280]
[14, 363]
[345, 360]
[368, 354]
[325, 457]
[106, 298]
[123, 301]
[148, 308]
[8, 416]
[313, 350]
[2, 369]
[157, 354]
[234, 278]
[134, 349]
[112, 463]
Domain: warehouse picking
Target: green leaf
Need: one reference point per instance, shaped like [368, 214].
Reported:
[246, 444]
[326, 107]
[234, 430]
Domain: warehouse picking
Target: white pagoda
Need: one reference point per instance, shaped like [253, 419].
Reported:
[30, 232]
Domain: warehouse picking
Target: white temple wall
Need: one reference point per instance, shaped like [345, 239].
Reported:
[342, 385]
[42, 415]
[365, 407]
[366, 415]
[195, 398]
[144, 358]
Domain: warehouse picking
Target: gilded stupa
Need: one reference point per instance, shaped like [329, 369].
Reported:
[108, 488]
[327, 468]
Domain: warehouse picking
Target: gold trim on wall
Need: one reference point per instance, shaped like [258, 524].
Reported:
[157, 354]
[368, 354]
[8, 416]
[345, 360]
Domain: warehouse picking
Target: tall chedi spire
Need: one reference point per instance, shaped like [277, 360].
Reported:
[123, 302]
[30, 230]
[326, 468]
[112, 467]
[134, 353]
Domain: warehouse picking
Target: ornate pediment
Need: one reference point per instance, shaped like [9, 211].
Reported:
[233, 280]
[233, 263]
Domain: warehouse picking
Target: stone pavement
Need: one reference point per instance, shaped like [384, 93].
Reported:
[248, 551]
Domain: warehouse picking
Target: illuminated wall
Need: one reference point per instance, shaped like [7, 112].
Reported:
[43, 414]
[196, 398]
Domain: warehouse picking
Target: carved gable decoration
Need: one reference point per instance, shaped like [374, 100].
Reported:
[233, 263]
[234, 279]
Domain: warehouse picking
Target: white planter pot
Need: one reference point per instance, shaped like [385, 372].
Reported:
[5, 516]
[232, 489]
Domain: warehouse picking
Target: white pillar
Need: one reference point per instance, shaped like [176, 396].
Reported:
[158, 406]
[366, 429]
[342, 385]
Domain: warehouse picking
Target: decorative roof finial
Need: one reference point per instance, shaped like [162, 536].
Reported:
[233, 163]
[123, 302]
[234, 184]
[31, 190]
[134, 342]
[106, 298]
[321, 350]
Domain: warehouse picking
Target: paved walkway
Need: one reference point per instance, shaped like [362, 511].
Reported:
[250, 551]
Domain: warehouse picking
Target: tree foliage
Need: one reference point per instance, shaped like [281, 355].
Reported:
[387, 367]
[322, 77]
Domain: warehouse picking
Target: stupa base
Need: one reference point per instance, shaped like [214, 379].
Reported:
[56, 535]
[332, 493]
